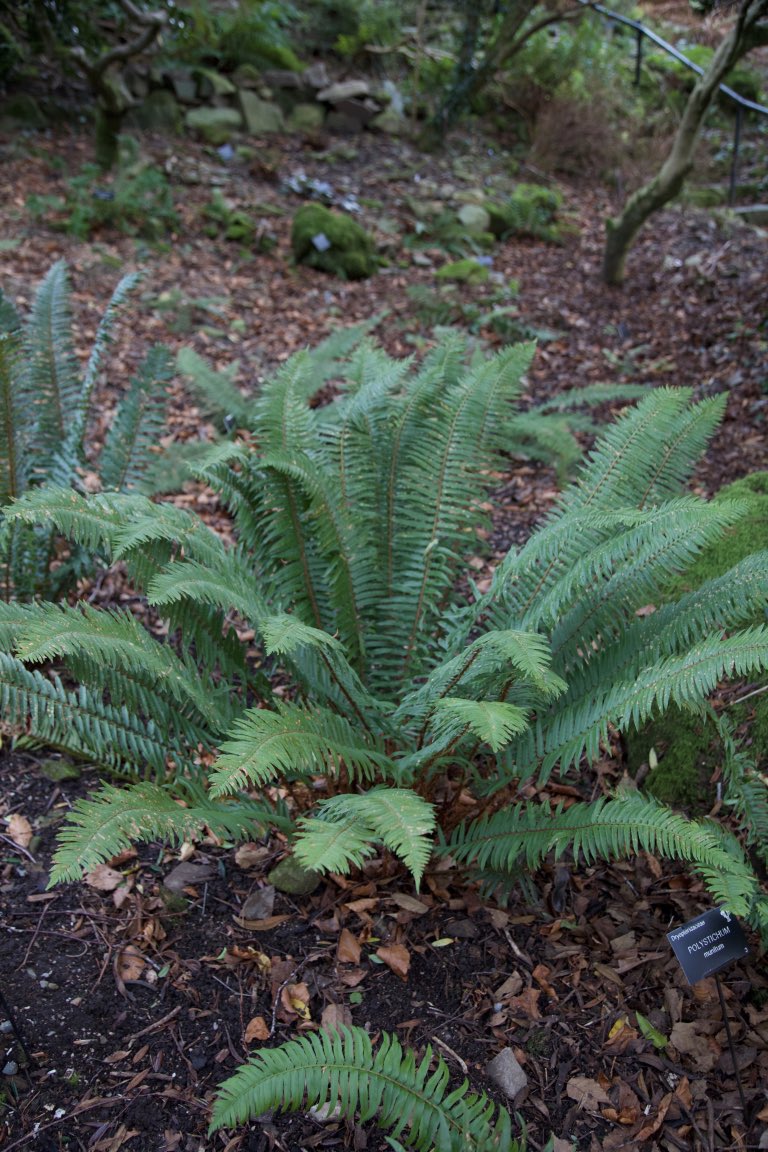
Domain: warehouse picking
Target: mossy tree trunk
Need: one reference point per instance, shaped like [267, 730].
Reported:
[475, 68]
[669, 180]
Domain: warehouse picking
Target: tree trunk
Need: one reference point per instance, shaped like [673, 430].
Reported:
[669, 180]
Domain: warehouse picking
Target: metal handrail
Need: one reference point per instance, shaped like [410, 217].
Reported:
[741, 102]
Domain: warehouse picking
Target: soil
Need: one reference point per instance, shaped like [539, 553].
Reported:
[137, 993]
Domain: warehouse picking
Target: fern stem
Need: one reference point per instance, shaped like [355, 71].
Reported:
[347, 696]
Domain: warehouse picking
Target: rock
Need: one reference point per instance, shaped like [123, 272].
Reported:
[183, 83]
[332, 242]
[361, 111]
[474, 218]
[344, 90]
[215, 125]
[316, 76]
[211, 83]
[160, 112]
[753, 213]
[261, 116]
[289, 876]
[390, 122]
[305, 118]
[342, 125]
[281, 78]
[11, 1068]
[507, 1074]
[247, 76]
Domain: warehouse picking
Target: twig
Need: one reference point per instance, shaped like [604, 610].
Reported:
[457, 1058]
[157, 1025]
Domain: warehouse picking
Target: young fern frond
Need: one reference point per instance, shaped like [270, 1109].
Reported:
[341, 1070]
[52, 364]
[624, 825]
[348, 827]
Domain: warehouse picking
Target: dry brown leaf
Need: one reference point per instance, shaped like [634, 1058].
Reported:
[409, 903]
[260, 925]
[104, 879]
[348, 951]
[511, 986]
[396, 957]
[586, 1092]
[256, 1029]
[692, 1039]
[653, 1125]
[353, 976]
[129, 963]
[334, 1017]
[20, 830]
[295, 1000]
[116, 1057]
[526, 1003]
[541, 975]
[115, 1143]
[251, 855]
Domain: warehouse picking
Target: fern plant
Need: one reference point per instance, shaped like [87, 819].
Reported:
[45, 409]
[352, 520]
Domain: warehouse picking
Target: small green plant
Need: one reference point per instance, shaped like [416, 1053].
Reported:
[236, 224]
[46, 409]
[136, 200]
[253, 32]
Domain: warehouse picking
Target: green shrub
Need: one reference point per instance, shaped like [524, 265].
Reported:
[255, 32]
[531, 210]
[137, 201]
[47, 404]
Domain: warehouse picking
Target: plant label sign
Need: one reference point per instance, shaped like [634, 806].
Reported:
[708, 943]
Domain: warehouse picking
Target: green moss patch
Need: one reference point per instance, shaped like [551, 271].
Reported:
[332, 242]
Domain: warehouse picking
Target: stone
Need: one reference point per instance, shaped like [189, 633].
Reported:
[261, 116]
[281, 78]
[753, 213]
[332, 242]
[11, 1068]
[183, 83]
[289, 876]
[344, 90]
[215, 125]
[211, 83]
[390, 122]
[343, 125]
[247, 76]
[305, 118]
[507, 1074]
[361, 111]
[316, 76]
[159, 112]
[474, 219]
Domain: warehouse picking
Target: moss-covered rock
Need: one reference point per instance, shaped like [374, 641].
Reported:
[464, 272]
[332, 242]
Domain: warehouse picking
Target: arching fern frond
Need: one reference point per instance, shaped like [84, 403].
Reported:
[390, 1086]
[293, 741]
[609, 828]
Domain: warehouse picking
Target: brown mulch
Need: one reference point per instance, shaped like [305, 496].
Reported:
[135, 1002]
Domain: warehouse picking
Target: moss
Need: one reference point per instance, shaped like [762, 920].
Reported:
[746, 81]
[350, 252]
[748, 536]
[686, 750]
[464, 271]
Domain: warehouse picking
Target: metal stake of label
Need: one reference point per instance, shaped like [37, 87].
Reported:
[731, 1045]
[31, 1063]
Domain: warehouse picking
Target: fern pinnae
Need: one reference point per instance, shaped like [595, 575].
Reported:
[683, 446]
[52, 363]
[137, 424]
[341, 1069]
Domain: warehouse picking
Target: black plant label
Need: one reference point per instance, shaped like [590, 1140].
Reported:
[708, 943]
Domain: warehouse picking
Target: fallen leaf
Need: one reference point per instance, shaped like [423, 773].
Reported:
[586, 1092]
[396, 957]
[129, 963]
[256, 1029]
[104, 879]
[185, 874]
[260, 925]
[348, 951]
[656, 1122]
[295, 1000]
[409, 903]
[353, 976]
[511, 986]
[526, 1003]
[334, 1017]
[20, 830]
[251, 855]
[692, 1039]
[258, 905]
